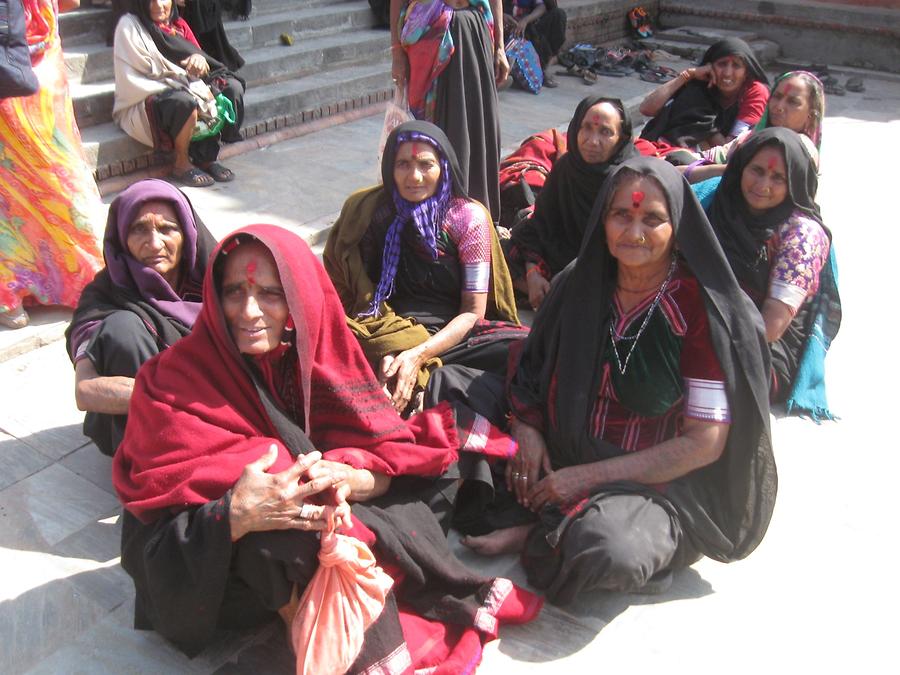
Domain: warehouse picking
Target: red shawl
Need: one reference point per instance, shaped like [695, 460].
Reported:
[196, 418]
[533, 159]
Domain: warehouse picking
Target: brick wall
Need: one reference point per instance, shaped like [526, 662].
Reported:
[606, 22]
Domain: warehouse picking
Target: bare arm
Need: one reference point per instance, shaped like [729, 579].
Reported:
[700, 444]
[501, 65]
[95, 393]
[702, 173]
[399, 62]
[363, 484]
[777, 317]
[658, 98]
[533, 16]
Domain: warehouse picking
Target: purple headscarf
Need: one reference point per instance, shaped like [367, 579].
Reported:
[128, 273]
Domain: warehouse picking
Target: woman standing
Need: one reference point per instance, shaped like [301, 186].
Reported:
[48, 198]
[450, 57]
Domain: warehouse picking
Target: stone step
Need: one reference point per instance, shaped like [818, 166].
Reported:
[765, 50]
[93, 101]
[94, 62]
[293, 101]
[703, 35]
[89, 24]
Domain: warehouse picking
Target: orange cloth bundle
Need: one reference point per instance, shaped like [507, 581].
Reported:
[344, 597]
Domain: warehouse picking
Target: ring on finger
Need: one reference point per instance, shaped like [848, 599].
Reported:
[307, 512]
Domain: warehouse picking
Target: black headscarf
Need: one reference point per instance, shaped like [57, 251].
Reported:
[725, 507]
[744, 235]
[562, 208]
[174, 47]
[695, 112]
[460, 186]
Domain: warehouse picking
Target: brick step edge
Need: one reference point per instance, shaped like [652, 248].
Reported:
[116, 176]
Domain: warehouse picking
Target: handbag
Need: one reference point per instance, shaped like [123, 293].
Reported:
[16, 75]
[209, 127]
[524, 64]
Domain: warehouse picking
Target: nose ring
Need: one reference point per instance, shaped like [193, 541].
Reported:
[642, 239]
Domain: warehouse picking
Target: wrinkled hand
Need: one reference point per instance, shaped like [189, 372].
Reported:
[538, 287]
[531, 459]
[399, 66]
[704, 74]
[501, 66]
[195, 66]
[403, 371]
[562, 487]
[262, 501]
[355, 480]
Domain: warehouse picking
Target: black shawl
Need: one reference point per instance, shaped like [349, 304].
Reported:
[562, 208]
[460, 185]
[695, 112]
[744, 235]
[205, 19]
[725, 507]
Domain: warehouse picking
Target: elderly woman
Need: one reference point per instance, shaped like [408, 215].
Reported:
[222, 475]
[797, 103]
[420, 244]
[711, 104]
[639, 402]
[144, 301]
[599, 139]
[166, 84]
[765, 216]
[449, 56]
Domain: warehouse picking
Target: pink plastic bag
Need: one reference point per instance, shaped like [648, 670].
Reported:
[344, 597]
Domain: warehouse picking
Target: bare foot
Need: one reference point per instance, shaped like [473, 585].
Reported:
[509, 540]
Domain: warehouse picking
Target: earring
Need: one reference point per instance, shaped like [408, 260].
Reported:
[287, 333]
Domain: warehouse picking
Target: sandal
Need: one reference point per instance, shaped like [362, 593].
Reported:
[194, 178]
[855, 84]
[15, 318]
[221, 174]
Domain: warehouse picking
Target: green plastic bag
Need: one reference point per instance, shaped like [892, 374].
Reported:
[224, 115]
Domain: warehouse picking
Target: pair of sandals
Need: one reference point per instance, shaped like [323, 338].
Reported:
[213, 173]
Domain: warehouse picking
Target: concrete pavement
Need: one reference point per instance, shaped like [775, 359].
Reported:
[816, 596]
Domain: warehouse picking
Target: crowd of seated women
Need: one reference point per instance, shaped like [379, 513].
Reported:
[392, 393]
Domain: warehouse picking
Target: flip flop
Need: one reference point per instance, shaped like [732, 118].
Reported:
[194, 178]
[221, 174]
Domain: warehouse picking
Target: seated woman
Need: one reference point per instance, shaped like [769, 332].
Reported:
[797, 103]
[165, 84]
[765, 216]
[145, 300]
[599, 139]
[419, 243]
[711, 104]
[638, 402]
[224, 486]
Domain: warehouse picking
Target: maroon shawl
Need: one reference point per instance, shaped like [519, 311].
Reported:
[197, 418]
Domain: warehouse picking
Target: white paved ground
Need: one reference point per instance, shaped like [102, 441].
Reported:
[819, 595]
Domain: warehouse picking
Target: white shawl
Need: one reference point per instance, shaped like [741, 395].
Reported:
[141, 71]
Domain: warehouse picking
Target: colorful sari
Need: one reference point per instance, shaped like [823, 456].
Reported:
[48, 251]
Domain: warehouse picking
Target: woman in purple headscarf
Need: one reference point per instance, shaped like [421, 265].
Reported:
[418, 267]
[147, 298]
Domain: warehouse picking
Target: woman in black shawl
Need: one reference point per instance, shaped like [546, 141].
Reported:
[145, 300]
[599, 139]
[765, 216]
[711, 104]
[205, 19]
[165, 86]
[640, 409]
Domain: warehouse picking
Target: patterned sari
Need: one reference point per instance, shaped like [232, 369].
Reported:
[48, 251]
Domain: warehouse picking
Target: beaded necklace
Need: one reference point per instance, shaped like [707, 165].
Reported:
[623, 366]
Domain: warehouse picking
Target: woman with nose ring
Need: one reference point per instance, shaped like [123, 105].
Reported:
[599, 139]
[765, 215]
[145, 300]
[710, 104]
[419, 269]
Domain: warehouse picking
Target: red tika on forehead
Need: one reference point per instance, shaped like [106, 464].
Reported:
[788, 88]
[636, 198]
[415, 149]
[251, 272]
[596, 118]
[772, 162]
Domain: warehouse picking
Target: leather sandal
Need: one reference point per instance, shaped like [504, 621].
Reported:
[194, 178]
[221, 174]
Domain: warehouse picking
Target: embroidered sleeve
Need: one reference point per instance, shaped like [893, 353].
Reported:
[752, 104]
[800, 253]
[468, 227]
[704, 380]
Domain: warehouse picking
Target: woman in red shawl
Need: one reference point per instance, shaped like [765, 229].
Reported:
[223, 484]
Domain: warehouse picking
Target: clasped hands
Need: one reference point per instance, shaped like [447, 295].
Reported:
[309, 495]
[560, 487]
[195, 66]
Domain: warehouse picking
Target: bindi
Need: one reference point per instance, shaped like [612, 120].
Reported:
[251, 273]
[788, 88]
[637, 197]
[596, 118]
[773, 161]
[415, 149]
